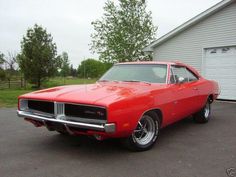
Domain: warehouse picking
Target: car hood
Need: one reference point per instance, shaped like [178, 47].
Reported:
[99, 93]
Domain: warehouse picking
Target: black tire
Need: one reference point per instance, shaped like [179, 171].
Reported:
[148, 129]
[203, 116]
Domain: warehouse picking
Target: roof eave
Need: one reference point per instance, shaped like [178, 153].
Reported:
[189, 23]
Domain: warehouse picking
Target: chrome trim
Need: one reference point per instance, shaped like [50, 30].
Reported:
[108, 127]
[59, 111]
[85, 120]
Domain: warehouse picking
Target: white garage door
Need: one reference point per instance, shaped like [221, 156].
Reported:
[220, 65]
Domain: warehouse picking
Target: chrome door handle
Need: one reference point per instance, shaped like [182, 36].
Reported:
[195, 88]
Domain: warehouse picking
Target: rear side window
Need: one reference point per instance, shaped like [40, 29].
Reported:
[180, 71]
[191, 76]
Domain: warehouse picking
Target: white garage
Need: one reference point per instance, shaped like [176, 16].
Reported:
[206, 42]
[220, 64]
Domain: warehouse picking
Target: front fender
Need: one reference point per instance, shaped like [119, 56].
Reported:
[126, 113]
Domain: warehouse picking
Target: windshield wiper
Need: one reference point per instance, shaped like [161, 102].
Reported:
[137, 81]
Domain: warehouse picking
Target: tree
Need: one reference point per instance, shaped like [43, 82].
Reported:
[91, 68]
[11, 61]
[123, 31]
[11, 67]
[38, 59]
[2, 60]
[65, 65]
[73, 71]
[2, 72]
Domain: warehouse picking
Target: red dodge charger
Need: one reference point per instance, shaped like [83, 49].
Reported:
[131, 101]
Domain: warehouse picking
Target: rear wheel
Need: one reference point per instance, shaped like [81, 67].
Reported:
[145, 134]
[204, 114]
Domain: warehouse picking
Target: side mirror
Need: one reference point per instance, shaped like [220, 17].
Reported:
[180, 80]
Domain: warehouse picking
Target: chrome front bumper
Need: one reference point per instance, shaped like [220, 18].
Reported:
[108, 127]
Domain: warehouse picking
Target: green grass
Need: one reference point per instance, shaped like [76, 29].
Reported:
[66, 81]
[8, 97]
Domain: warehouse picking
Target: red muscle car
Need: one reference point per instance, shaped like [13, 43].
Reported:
[131, 101]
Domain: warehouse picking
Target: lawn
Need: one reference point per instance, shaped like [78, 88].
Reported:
[66, 81]
[8, 97]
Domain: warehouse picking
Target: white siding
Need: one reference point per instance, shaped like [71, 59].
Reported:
[218, 29]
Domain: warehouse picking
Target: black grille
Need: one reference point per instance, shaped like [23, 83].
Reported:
[83, 111]
[42, 106]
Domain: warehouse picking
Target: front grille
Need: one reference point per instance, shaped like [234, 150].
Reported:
[41, 106]
[68, 111]
[60, 108]
[84, 111]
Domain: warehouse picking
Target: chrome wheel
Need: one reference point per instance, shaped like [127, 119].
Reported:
[145, 134]
[207, 110]
[145, 130]
[203, 116]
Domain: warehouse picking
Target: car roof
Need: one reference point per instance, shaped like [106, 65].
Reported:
[154, 62]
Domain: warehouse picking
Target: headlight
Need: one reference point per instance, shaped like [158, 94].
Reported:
[23, 104]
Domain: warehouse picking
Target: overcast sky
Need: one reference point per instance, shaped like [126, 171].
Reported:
[69, 21]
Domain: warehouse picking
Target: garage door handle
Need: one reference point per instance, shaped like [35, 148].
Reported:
[195, 88]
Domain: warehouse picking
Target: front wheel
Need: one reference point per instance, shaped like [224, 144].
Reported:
[204, 114]
[145, 134]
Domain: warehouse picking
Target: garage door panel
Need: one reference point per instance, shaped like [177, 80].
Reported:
[220, 65]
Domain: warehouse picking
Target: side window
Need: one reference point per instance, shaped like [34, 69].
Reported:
[191, 76]
[179, 71]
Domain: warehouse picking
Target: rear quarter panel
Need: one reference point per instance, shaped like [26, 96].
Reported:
[207, 88]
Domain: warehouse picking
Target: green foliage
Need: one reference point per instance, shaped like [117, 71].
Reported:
[37, 60]
[65, 64]
[1, 59]
[123, 31]
[2, 72]
[73, 71]
[91, 68]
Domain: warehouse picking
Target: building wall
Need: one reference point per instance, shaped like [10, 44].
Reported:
[216, 30]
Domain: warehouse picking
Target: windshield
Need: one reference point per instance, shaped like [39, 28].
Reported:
[153, 73]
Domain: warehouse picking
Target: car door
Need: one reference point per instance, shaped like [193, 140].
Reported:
[196, 85]
[184, 92]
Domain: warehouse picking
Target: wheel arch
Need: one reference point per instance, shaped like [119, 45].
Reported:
[210, 98]
[157, 111]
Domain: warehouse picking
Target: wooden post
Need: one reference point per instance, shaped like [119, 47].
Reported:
[9, 83]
